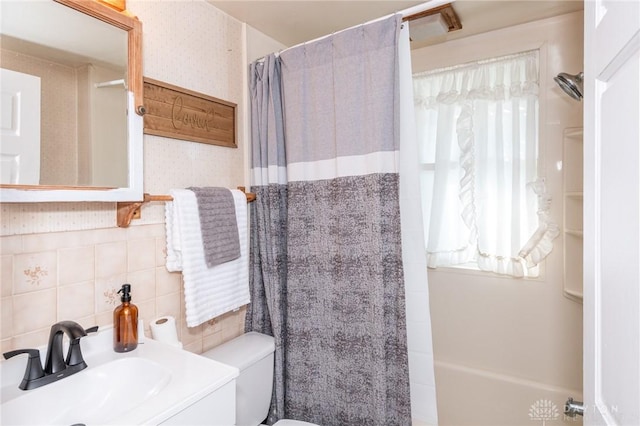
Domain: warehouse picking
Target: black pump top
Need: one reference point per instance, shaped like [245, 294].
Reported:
[125, 290]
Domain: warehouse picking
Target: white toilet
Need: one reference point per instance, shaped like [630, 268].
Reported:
[252, 354]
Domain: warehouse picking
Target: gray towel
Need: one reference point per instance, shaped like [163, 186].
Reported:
[219, 225]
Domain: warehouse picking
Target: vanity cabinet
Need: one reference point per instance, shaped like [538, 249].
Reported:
[217, 408]
[572, 208]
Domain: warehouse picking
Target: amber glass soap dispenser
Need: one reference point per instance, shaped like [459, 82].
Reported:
[125, 322]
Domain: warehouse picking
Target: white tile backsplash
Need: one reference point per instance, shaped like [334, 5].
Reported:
[75, 288]
[141, 254]
[6, 275]
[76, 265]
[6, 314]
[143, 284]
[76, 300]
[111, 259]
[34, 310]
[167, 282]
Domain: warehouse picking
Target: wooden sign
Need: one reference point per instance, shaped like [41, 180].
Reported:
[178, 113]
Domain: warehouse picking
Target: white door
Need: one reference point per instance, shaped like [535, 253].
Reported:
[612, 213]
[19, 128]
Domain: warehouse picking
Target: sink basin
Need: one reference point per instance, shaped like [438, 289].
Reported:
[93, 396]
[156, 383]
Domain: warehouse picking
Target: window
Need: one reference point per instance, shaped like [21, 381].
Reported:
[485, 206]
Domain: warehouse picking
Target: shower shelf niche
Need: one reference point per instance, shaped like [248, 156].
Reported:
[572, 208]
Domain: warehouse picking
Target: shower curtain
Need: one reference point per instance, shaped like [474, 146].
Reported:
[326, 260]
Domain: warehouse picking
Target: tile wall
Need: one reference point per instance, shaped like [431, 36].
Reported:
[75, 276]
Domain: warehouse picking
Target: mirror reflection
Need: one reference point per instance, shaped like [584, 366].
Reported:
[64, 97]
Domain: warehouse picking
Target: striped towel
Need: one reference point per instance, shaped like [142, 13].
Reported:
[208, 292]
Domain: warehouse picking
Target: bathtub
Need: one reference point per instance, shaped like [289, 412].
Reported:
[468, 396]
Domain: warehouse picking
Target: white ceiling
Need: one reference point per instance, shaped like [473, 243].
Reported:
[295, 21]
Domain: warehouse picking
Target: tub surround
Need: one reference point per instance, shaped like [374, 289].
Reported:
[504, 344]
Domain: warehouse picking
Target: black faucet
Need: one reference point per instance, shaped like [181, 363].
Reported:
[56, 366]
[55, 359]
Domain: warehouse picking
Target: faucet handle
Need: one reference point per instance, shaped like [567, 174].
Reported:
[93, 329]
[34, 365]
[74, 355]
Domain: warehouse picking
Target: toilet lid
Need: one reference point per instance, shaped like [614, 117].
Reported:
[286, 422]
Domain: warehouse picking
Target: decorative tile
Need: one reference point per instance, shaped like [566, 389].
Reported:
[107, 297]
[34, 271]
[76, 265]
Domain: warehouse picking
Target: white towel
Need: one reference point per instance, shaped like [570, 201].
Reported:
[208, 292]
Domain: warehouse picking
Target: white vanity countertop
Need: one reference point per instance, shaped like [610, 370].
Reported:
[192, 377]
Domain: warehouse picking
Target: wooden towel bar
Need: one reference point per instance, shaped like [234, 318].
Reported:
[131, 210]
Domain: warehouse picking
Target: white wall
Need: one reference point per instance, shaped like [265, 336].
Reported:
[501, 344]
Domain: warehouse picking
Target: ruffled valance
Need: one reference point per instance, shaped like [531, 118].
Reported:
[515, 76]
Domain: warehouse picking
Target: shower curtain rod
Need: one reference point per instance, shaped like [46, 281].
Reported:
[409, 14]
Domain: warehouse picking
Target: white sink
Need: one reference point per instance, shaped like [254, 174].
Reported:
[92, 396]
[146, 386]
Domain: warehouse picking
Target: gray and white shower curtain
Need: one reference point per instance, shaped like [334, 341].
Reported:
[326, 260]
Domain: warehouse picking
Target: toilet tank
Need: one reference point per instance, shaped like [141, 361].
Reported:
[252, 354]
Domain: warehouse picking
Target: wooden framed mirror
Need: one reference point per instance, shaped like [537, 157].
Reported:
[106, 159]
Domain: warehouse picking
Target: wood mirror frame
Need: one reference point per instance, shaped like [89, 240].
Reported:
[134, 190]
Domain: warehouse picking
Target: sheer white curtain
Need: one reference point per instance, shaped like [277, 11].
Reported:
[478, 132]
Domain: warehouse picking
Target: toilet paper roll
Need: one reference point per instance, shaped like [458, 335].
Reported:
[164, 330]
